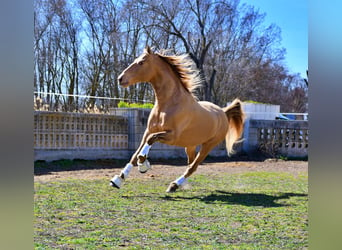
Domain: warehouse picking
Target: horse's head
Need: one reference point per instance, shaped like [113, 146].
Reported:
[139, 71]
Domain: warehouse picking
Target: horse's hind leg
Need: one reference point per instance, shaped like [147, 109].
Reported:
[204, 151]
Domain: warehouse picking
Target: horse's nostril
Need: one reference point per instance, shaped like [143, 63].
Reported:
[120, 80]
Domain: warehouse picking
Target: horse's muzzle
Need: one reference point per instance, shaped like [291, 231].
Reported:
[122, 82]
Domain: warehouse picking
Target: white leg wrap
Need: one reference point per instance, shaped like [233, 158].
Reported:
[127, 169]
[144, 151]
[116, 181]
[143, 167]
[180, 180]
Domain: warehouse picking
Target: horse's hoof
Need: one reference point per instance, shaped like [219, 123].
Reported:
[114, 185]
[144, 166]
[172, 188]
[116, 182]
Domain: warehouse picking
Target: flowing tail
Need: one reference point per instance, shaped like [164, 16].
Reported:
[235, 116]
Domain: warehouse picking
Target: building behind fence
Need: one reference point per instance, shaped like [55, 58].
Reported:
[59, 135]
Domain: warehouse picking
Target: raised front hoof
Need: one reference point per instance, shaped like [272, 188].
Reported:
[172, 188]
[116, 182]
[144, 166]
[143, 171]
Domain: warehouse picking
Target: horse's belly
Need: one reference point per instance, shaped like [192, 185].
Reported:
[187, 141]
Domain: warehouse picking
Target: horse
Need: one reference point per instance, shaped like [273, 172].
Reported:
[177, 117]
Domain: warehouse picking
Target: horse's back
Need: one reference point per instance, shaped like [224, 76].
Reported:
[206, 121]
[210, 107]
[214, 114]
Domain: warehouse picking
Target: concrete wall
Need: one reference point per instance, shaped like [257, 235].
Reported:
[278, 138]
[59, 135]
[258, 111]
[262, 132]
[118, 134]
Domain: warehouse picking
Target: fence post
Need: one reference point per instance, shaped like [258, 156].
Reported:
[137, 121]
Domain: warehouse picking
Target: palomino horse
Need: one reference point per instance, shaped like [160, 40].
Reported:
[177, 118]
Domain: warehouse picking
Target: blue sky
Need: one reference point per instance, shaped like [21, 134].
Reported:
[292, 18]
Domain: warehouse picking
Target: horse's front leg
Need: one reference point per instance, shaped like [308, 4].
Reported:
[150, 139]
[143, 163]
[140, 156]
[117, 180]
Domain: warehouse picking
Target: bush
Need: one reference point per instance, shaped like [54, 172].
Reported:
[255, 102]
[123, 104]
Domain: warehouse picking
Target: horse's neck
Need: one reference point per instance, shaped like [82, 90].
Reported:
[169, 91]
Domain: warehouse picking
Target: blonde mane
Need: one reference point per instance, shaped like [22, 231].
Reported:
[184, 67]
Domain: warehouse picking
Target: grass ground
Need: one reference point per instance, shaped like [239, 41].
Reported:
[247, 210]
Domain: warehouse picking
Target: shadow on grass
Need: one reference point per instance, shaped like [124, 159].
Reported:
[244, 199]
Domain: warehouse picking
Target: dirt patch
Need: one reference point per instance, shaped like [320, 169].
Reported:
[109, 168]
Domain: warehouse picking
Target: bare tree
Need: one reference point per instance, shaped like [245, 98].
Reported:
[227, 42]
[193, 26]
[69, 29]
[82, 46]
[56, 50]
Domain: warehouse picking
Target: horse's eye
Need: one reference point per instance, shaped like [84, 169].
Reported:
[141, 63]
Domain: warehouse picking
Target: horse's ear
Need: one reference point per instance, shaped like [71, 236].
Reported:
[148, 49]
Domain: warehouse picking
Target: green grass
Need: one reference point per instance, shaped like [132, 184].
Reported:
[256, 210]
